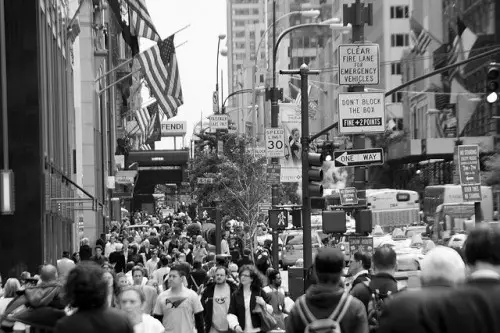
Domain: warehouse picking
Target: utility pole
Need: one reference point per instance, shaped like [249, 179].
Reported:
[304, 142]
[274, 94]
[357, 15]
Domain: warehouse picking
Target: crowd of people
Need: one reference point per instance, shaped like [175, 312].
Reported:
[150, 280]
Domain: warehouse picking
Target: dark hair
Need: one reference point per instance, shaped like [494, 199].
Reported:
[86, 288]
[138, 268]
[271, 274]
[65, 254]
[483, 245]
[182, 268]
[163, 260]
[255, 275]
[197, 265]
[247, 252]
[98, 247]
[222, 267]
[384, 258]
[365, 259]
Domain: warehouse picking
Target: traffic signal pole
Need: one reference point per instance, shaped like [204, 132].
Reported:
[304, 142]
[357, 15]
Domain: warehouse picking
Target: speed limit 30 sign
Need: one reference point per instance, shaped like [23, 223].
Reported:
[275, 142]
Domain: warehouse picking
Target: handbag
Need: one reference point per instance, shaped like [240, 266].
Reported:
[267, 321]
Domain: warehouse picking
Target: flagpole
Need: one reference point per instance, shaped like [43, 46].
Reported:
[76, 13]
[118, 81]
[130, 60]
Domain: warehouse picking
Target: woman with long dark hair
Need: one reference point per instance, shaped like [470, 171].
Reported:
[245, 300]
[86, 291]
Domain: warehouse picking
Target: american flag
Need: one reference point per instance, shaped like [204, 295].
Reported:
[159, 66]
[421, 37]
[141, 24]
[146, 120]
[456, 47]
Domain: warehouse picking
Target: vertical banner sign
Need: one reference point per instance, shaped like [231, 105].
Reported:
[215, 102]
[468, 170]
[291, 164]
[275, 142]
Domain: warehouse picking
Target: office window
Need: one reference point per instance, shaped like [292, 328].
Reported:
[398, 40]
[399, 12]
[252, 34]
[255, 11]
[396, 69]
[397, 97]
[239, 23]
[240, 34]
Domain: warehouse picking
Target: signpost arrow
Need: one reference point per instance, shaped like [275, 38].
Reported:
[359, 157]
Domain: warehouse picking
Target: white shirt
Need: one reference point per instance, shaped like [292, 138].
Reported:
[109, 248]
[224, 247]
[149, 325]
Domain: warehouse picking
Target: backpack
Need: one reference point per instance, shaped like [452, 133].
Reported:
[327, 325]
[376, 306]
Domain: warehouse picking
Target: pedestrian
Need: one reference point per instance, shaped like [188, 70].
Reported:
[86, 290]
[149, 292]
[359, 268]
[131, 301]
[179, 308]
[328, 300]
[442, 269]
[65, 265]
[246, 301]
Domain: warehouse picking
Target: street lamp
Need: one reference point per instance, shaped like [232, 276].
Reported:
[221, 37]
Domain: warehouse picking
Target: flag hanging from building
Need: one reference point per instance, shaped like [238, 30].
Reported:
[463, 43]
[146, 120]
[158, 116]
[421, 37]
[141, 24]
[159, 67]
[74, 30]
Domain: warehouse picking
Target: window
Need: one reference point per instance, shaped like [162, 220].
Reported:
[399, 12]
[252, 34]
[398, 40]
[244, 11]
[397, 97]
[239, 23]
[240, 34]
[255, 11]
[396, 69]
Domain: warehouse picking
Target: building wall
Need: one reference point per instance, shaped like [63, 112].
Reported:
[39, 80]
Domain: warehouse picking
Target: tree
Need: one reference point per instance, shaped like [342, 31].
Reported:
[239, 180]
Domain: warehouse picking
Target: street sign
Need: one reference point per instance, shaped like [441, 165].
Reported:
[264, 208]
[348, 196]
[215, 102]
[219, 121]
[359, 64]
[468, 164]
[273, 174]
[205, 181]
[358, 157]
[360, 244]
[278, 219]
[275, 142]
[472, 193]
[173, 128]
[361, 113]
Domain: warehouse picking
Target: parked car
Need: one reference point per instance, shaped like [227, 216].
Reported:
[293, 246]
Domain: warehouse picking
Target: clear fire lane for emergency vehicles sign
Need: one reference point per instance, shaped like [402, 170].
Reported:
[361, 113]
[359, 64]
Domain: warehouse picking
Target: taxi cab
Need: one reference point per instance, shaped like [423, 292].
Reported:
[293, 246]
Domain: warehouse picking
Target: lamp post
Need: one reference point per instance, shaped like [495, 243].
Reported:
[275, 94]
[221, 37]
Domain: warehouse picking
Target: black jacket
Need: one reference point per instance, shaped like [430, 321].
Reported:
[383, 282]
[474, 307]
[237, 307]
[207, 302]
[322, 301]
[405, 312]
[85, 252]
[105, 320]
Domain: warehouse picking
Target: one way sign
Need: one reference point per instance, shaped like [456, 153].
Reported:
[359, 157]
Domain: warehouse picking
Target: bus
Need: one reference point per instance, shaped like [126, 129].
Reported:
[446, 194]
[393, 208]
[390, 207]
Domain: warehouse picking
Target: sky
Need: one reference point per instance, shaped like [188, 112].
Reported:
[197, 58]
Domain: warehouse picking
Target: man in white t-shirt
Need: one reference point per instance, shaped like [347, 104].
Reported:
[179, 308]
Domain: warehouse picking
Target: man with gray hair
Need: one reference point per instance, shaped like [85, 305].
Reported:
[441, 269]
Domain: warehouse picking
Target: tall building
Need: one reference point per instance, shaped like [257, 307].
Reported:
[62, 122]
[245, 27]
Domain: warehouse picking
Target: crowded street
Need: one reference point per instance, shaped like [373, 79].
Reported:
[338, 173]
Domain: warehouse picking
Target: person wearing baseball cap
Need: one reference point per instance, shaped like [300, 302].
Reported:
[323, 297]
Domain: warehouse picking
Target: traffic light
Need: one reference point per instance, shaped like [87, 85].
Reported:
[326, 150]
[297, 218]
[493, 83]
[315, 174]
